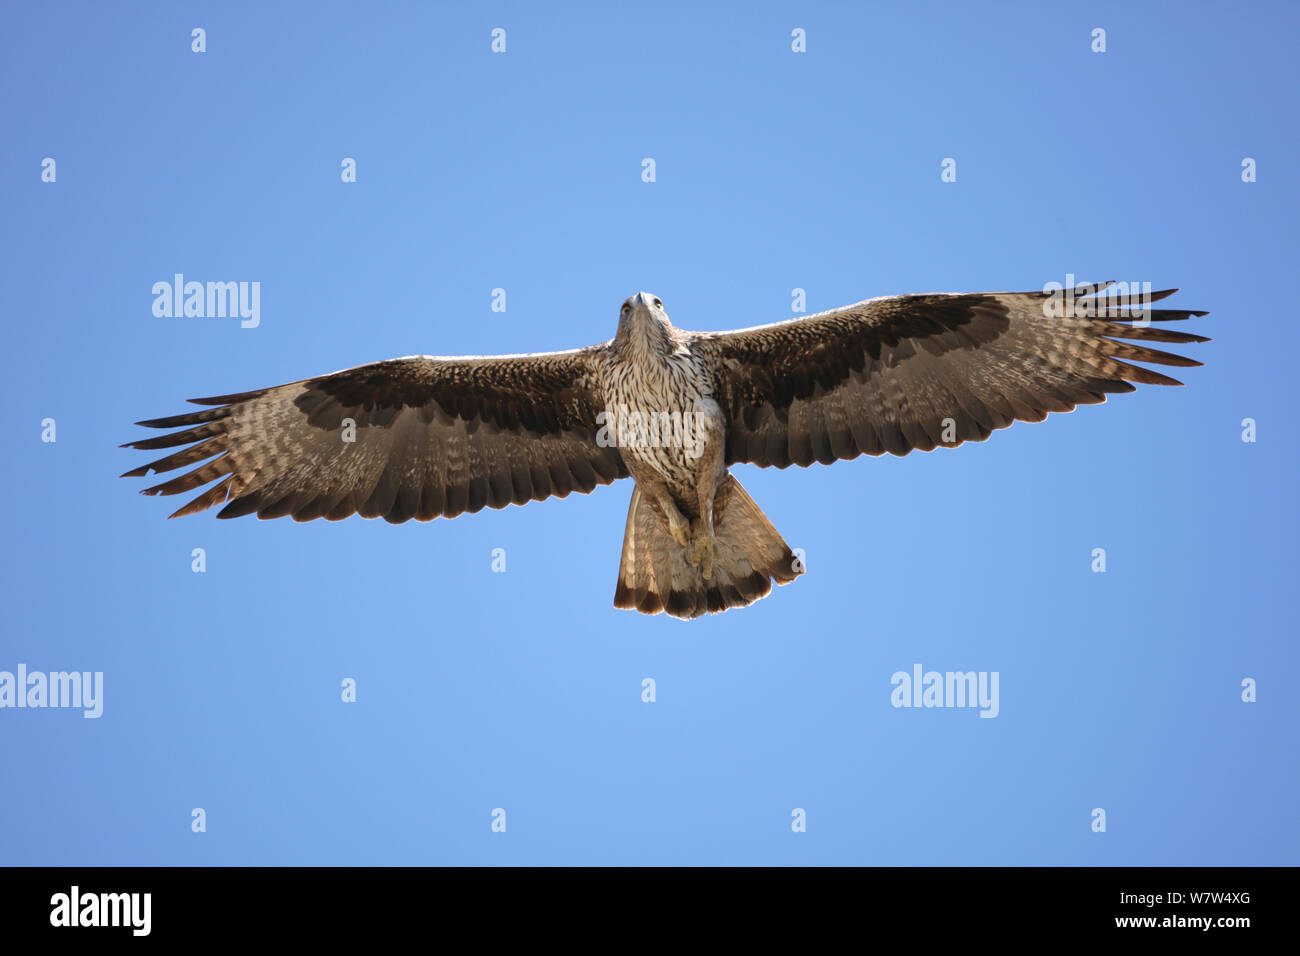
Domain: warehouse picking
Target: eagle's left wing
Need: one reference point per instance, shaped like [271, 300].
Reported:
[920, 371]
[414, 437]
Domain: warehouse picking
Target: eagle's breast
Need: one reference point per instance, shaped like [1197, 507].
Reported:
[661, 411]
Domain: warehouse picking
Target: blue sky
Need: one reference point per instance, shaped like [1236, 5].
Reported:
[775, 170]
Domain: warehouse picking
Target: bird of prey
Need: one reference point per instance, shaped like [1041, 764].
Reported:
[429, 436]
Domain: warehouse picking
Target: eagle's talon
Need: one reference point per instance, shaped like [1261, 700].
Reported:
[704, 553]
[706, 564]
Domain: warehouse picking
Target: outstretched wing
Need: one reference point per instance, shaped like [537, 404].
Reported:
[415, 437]
[920, 371]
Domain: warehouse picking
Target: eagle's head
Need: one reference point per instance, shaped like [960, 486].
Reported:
[642, 318]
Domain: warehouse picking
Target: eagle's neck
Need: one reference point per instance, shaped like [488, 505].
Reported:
[651, 340]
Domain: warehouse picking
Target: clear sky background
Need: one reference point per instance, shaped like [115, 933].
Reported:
[775, 170]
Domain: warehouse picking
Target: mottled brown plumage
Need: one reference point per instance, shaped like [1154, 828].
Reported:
[423, 436]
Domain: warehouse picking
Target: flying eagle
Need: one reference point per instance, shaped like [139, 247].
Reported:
[428, 436]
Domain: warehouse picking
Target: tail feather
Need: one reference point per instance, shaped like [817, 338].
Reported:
[656, 574]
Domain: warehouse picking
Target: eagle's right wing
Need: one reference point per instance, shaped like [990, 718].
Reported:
[920, 371]
[415, 437]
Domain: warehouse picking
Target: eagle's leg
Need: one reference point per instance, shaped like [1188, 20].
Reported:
[712, 469]
[705, 547]
[678, 526]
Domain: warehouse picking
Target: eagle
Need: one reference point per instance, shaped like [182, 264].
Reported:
[431, 436]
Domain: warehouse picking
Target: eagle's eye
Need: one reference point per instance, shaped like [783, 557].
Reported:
[659, 303]
[626, 308]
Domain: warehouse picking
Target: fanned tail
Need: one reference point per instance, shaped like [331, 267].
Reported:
[656, 573]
